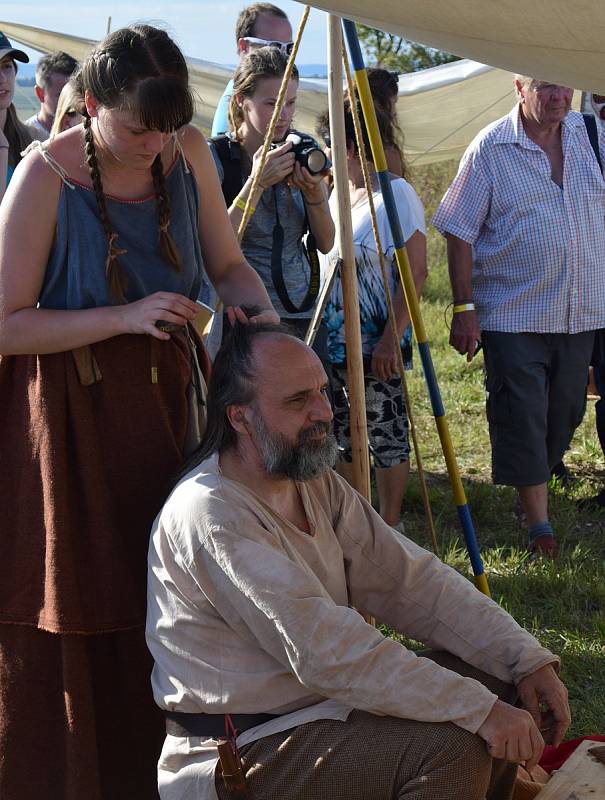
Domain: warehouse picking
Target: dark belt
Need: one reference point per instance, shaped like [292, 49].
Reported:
[211, 725]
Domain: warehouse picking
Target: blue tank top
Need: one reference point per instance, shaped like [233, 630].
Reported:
[75, 274]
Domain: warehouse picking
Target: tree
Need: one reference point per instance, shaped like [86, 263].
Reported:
[393, 52]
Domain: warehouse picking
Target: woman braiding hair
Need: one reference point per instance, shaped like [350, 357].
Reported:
[146, 57]
[109, 232]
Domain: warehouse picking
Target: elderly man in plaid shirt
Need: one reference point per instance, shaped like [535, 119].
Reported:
[524, 221]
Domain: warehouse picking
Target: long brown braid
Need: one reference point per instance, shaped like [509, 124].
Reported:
[139, 70]
[168, 248]
[116, 277]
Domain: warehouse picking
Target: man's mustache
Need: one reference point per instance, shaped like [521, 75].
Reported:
[314, 430]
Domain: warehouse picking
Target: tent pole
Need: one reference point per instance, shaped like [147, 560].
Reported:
[344, 233]
[369, 113]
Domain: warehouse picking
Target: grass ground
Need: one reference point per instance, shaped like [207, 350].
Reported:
[562, 603]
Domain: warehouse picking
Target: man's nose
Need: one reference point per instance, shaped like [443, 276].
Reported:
[559, 91]
[322, 409]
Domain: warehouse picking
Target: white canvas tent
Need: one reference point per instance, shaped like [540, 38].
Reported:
[440, 109]
[553, 40]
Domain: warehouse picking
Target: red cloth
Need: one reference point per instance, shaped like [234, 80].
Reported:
[554, 757]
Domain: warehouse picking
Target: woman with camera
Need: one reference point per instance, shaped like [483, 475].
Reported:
[291, 198]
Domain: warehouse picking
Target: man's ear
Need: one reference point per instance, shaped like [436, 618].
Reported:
[237, 418]
[519, 91]
[90, 101]
[39, 93]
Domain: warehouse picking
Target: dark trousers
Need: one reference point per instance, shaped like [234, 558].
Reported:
[536, 397]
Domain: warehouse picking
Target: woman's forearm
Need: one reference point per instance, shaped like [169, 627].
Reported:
[320, 219]
[41, 330]
[240, 285]
[236, 209]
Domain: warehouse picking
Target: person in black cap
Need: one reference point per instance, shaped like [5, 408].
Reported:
[14, 136]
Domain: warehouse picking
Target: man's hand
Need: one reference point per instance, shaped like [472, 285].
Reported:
[545, 697]
[465, 333]
[511, 734]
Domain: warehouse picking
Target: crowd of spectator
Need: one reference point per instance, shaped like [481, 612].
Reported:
[113, 228]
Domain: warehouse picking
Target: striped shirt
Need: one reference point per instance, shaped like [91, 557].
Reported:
[538, 249]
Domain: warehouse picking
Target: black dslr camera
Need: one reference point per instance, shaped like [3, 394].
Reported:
[306, 152]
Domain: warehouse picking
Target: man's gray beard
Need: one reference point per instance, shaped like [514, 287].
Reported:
[302, 460]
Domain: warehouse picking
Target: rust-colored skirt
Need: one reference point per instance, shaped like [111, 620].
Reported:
[84, 469]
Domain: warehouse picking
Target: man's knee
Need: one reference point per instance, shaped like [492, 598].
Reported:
[455, 764]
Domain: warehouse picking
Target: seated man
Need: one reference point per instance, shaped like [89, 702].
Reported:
[255, 561]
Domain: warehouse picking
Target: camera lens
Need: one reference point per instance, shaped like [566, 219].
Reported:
[316, 161]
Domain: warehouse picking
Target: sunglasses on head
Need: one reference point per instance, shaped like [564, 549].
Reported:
[283, 47]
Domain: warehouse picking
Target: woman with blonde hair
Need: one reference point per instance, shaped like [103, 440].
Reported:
[68, 113]
[289, 200]
[106, 236]
[384, 86]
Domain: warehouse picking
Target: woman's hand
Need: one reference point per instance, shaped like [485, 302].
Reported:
[310, 185]
[278, 165]
[237, 314]
[384, 357]
[142, 315]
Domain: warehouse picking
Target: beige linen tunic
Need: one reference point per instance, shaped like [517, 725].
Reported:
[247, 613]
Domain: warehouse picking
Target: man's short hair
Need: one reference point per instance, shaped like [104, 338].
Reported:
[248, 17]
[59, 62]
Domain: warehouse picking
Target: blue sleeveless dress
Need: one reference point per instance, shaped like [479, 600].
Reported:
[86, 462]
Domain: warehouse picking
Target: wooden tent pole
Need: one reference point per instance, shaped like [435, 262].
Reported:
[344, 232]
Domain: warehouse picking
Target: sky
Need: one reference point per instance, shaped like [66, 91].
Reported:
[202, 28]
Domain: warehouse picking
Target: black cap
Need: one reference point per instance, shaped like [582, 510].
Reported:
[6, 49]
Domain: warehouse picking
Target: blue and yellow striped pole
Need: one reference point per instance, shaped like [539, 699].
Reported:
[378, 157]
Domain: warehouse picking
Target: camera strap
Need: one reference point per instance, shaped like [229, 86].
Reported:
[228, 151]
[277, 272]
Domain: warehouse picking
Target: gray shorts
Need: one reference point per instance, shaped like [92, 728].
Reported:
[536, 397]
